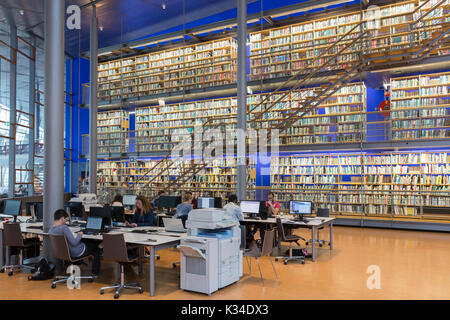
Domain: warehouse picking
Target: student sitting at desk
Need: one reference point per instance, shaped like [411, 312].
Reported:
[273, 206]
[232, 209]
[184, 208]
[155, 201]
[194, 202]
[118, 201]
[77, 246]
[143, 215]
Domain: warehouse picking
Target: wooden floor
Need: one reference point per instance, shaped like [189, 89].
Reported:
[414, 265]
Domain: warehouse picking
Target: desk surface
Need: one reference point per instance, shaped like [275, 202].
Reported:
[161, 236]
[310, 222]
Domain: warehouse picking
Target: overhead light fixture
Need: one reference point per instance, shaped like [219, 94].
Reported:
[101, 28]
[21, 12]
[104, 53]
[163, 5]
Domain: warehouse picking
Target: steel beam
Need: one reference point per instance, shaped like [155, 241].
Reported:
[12, 109]
[31, 109]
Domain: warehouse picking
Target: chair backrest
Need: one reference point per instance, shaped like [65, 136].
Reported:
[114, 247]
[268, 243]
[13, 234]
[323, 212]
[60, 247]
[280, 230]
[243, 237]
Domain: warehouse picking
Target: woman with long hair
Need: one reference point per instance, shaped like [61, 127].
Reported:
[143, 215]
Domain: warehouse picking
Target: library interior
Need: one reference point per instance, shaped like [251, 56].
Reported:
[229, 150]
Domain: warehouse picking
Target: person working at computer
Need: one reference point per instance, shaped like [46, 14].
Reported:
[184, 208]
[155, 201]
[78, 247]
[143, 215]
[232, 209]
[273, 206]
[118, 201]
[194, 201]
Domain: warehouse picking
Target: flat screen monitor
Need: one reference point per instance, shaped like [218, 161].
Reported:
[169, 202]
[39, 211]
[300, 207]
[205, 203]
[117, 214]
[31, 207]
[12, 208]
[217, 202]
[76, 208]
[250, 207]
[94, 223]
[102, 212]
[129, 199]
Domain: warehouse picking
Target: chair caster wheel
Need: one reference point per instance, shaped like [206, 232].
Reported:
[90, 280]
[2, 270]
[116, 296]
[53, 285]
[276, 259]
[303, 262]
[10, 273]
[102, 292]
[320, 245]
[285, 262]
[141, 291]
[174, 265]
[158, 257]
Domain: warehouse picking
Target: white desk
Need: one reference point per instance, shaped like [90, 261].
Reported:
[162, 240]
[313, 223]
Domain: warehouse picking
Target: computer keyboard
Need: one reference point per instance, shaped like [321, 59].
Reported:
[36, 227]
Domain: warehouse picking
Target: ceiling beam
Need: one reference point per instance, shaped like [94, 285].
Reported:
[270, 20]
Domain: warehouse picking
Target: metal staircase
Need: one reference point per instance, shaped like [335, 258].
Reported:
[424, 40]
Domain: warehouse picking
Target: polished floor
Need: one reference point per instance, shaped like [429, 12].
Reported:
[412, 265]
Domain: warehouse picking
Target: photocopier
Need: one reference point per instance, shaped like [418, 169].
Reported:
[210, 255]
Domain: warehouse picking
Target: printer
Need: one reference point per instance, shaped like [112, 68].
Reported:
[210, 256]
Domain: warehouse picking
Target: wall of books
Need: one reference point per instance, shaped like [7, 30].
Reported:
[420, 107]
[202, 65]
[388, 184]
[278, 52]
[112, 127]
[217, 178]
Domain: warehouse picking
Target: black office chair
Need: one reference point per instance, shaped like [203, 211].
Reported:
[14, 240]
[115, 249]
[322, 213]
[61, 251]
[282, 237]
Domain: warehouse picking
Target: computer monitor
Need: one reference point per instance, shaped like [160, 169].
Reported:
[250, 207]
[35, 209]
[94, 223]
[217, 202]
[12, 208]
[169, 202]
[75, 208]
[129, 199]
[205, 203]
[102, 212]
[117, 214]
[300, 208]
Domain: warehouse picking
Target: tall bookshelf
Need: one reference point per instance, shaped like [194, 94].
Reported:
[217, 178]
[206, 64]
[111, 129]
[379, 185]
[280, 51]
[340, 118]
[420, 107]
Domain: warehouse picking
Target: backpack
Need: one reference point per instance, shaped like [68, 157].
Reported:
[44, 271]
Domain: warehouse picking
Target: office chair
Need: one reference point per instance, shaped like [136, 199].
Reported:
[282, 237]
[13, 239]
[115, 249]
[322, 213]
[258, 253]
[61, 251]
